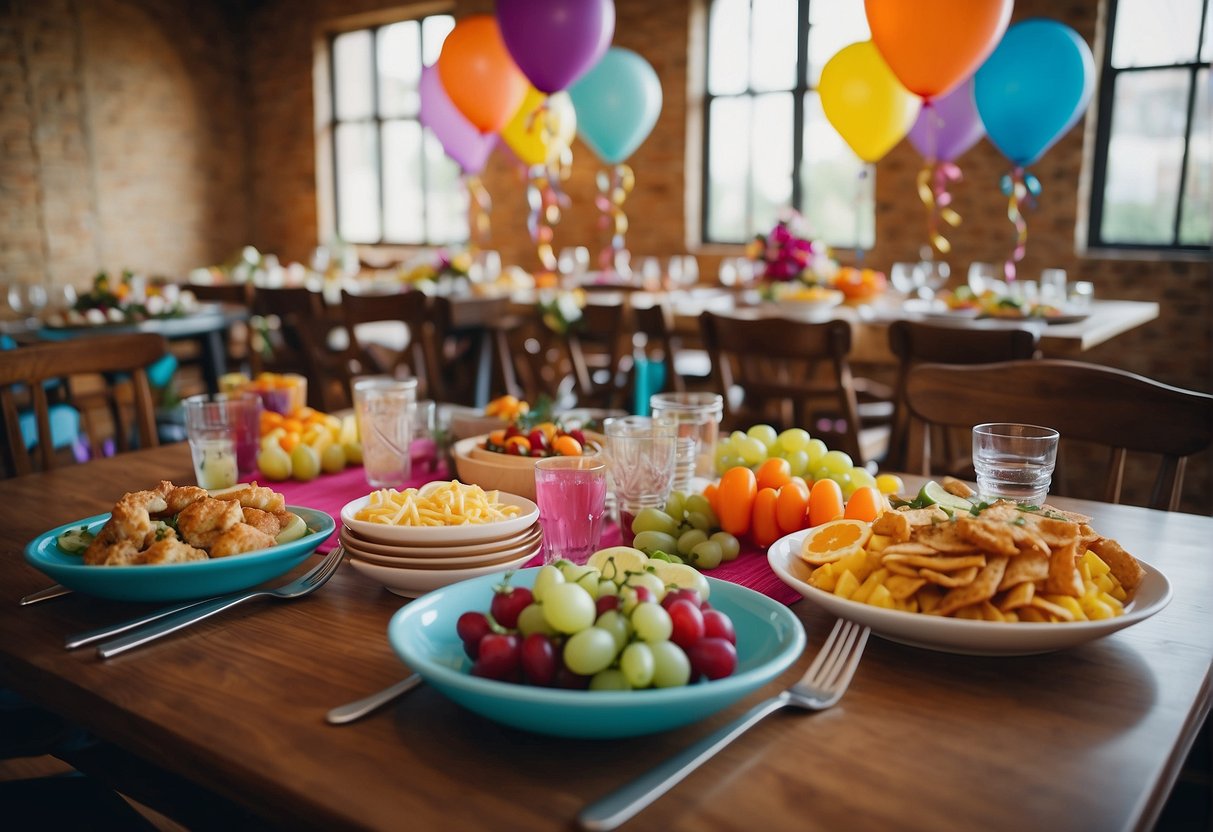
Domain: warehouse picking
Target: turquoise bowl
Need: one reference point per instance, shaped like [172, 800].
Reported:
[174, 581]
[769, 639]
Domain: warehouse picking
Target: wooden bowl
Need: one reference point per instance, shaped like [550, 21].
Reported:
[490, 469]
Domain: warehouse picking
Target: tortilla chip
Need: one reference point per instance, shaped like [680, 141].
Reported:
[1123, 565]
[956, 487]
[1059, 612]
[1028, 540]
[892, 524]
[981, 589]
[1053, 532]
[908, 548]
[1027, 568]
[902, 587]
[901, 569]
[945, 537]
[1064, 577]
[926, 516]
[1018, 596]
[940, 563]
[929, 597]
[989, 533]
[963, 577]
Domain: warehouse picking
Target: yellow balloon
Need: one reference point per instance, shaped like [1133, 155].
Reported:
[539, 136]
[865, 102]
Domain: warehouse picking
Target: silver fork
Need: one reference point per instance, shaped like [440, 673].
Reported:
[822, 685]
[303, 585]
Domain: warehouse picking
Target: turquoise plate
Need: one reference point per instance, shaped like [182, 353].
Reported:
[174, 581]
[769, 639]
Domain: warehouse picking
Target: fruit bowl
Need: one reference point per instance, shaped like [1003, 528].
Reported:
[769, 640]
[492, 469]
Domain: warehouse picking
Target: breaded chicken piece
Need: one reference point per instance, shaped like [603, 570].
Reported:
[183, 495]
[201, 523]
[122, 553]
[238, 539]
[255, 496]
[170, 550]
[262, 521]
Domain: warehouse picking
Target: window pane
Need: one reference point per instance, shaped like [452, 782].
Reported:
[772, 158]
[433, 32]
[833, 24]
[728, 51]
[399, 56]
[352, 79]
[1196, 220]
[357, 183]
[1153, 32]
[1206, 49]
[837, 203]
[728, 159]
[773, 61]
[446, 196]
[1141, 189]
[403, 202]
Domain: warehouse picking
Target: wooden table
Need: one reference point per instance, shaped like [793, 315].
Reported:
[1090, 738]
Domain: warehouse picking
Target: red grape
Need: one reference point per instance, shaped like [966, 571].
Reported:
[718, 625]
[508, 602]
[687, 621]
[566, 678]
[673, 595]
[643, 594]
[578, 435]
[607, 602]
[498, 657]
[472, 627]
[538, 659]
[712, 657]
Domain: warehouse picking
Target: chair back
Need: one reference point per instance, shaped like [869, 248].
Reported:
[418, 356]
[295, 340]
[786, 373]
[917, 342]
[241, 293]
[599, 348]
[1113, 408]
[117, 359]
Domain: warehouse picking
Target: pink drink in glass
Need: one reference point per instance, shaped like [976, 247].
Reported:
[571, 494]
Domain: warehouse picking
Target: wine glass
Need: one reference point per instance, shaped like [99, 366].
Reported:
[684, 270]
[26, 299]
[983, 276]
[934, 275]
[650, 272]
[907, 278]
[728, 272]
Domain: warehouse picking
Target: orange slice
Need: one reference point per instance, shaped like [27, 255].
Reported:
[834, 540]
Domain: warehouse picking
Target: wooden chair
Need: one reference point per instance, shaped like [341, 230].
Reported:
[682, 366]
[599, 351]
[916, 342]
[417, 357]
[241, 294]
[789, 374]
[294, 339]
[120, 360]
[1113, 408]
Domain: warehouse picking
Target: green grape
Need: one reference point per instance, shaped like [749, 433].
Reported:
[654, 520]
[531, 620]
[798, 463]
[753, 451]
[617, 624]
[649, 542]
[606, 587]
[822, 473]
[609, 679]
[572, 572]
[729, 461]
[765, 434]
[838, 462]
[737, 437]
[648, 579]
[671, 667]
[702, 521]
[793, 439]
[636, 664]
[568, 608]
[730, 547]
[862, 477]
[707, 555]
[675, 505]
[688, 540]
[548, 576]
[845, 483]
[652, 622]
[589, 651]
[816, 449]
[698, 502]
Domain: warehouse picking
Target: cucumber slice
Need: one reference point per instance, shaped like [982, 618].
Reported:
[934, 494]
[293, 530]
[75, 541]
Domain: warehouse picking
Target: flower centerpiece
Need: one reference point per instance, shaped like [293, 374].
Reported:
[442, 273]
[790, 264]
[128, 299]
[561, 309]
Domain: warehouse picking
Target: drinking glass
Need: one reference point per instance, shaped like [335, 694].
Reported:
[983, 276]
[690, 270]
[1082, 292]
[571, 494]
[423, 446]
[640, 451]
[728, 272]
[224, 432]
[1053, 286]
[385, 408]
[650, 273]
[698, 417]
[933, 274]
[1014, 462]
[907, 279]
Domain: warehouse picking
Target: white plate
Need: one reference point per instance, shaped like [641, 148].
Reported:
[936, 309]
[527, 515]
[957, 635]
[385, 556]
[436, 551]
[413, 583]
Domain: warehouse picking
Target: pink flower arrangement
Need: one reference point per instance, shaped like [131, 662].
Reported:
[787, 254]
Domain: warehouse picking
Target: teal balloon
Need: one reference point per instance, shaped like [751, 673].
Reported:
[1033, 88]
[617, 103]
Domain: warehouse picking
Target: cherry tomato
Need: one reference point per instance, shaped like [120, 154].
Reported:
[765, 526]
[566, 446]
[735, 500]
[518, 445]
[773, 473]
[791, 512]
[825, 502]
[866, 503]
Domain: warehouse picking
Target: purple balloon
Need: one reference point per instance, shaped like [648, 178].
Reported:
[948, 125]
[555, 42]
[459, 137]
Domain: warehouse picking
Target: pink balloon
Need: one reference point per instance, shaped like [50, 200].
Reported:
[459, 137]
[948, 126]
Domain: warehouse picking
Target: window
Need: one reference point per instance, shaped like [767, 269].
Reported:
[1153, 166]
[392, 183]
[767, 143]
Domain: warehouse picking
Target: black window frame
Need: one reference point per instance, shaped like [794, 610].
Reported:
[1103, 136]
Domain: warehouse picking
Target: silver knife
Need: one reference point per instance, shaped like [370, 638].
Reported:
[44, 595]
[90, 636]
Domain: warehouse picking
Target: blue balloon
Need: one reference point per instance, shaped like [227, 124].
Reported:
[1033, 88]
[617, 103]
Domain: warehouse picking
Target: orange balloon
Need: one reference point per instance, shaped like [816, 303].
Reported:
[933, 45]
[478, 74]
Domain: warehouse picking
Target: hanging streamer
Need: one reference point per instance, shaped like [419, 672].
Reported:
[613, 189]
[933, 182]
[860, 194]
[481, 207]
[1021, 189]
[545, 197]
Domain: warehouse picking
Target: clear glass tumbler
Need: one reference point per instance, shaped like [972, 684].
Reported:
[224, 432]
[385, 410]
[697, 416]
[640, 453]
[1014, 462]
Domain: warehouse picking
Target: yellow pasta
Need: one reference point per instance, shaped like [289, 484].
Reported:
[448, 504]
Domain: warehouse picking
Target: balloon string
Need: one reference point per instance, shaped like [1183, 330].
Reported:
[481, 206]
[1015, 200]
[933, 181]
[544, 202]
[859, 197]
[613, 190]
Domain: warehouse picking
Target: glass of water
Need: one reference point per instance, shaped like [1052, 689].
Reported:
[1014, 462]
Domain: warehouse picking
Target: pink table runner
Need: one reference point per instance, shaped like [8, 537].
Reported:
[330, 492]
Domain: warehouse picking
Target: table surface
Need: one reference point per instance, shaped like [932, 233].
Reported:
[1087, 738]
